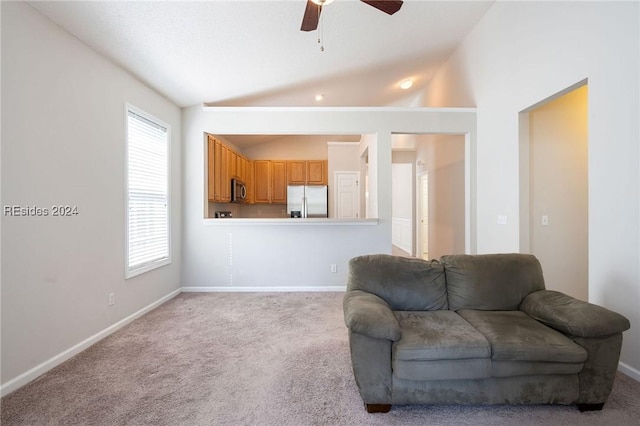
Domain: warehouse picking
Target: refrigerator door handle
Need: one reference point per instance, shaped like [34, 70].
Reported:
[304, 206]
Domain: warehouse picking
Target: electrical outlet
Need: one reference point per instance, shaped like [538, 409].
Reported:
[334, 268]
[112, 299]
[502, 220]
[545, 220]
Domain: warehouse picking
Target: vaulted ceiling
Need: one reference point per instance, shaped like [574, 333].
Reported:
[252, 53]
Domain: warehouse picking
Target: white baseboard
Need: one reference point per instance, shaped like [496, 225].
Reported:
[38, 370]
[629, 371]
[261, 289]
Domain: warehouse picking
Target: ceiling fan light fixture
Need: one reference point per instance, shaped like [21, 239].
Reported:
[406, 84]
[322, 2]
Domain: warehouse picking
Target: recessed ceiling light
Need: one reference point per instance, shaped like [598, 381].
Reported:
[406, 84]
[319, 97]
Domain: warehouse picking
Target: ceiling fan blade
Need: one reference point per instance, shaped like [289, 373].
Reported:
[311, 16]
[388, 7]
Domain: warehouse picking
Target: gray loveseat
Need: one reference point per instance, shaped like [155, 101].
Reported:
[475, 329]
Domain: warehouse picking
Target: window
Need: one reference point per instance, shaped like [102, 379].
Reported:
[147, 222]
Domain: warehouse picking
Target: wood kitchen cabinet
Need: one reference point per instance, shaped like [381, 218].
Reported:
[216, 173]
[249, 181]
[270, 182]
[224, 164]
[239, 169]
[262, 181]
[245, 170]
[297, 172]
[266, 180]
[233, 171]
[317, 172]
[307, 172]
[279, 182]
[225, 176]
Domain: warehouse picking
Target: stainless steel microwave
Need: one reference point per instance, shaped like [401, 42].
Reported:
[238, 191]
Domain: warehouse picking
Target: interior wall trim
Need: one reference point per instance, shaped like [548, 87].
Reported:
[275, 289]
[629, 371]
[56, 360]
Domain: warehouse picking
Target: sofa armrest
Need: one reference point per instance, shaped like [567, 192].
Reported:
[368, 314]
[572, 316]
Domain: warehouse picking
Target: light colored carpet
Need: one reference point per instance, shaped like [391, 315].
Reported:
[248, 359]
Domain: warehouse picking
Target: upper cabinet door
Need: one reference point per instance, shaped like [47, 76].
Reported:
[239, 168]
[317, 173]
[279, 188]
[249, 181]
[262, 181]
[215, 172]
[297, 172]
[213, 179]
[225, 181]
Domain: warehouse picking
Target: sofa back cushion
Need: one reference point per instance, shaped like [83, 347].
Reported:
[406, 284]
[491, 282]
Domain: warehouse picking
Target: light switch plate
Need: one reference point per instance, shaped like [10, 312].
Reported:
[502, 220]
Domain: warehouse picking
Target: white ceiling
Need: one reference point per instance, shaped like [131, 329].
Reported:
[253, 52]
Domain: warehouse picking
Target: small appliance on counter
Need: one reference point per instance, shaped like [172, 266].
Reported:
[222, 214]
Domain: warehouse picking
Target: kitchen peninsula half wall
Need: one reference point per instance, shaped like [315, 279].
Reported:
[266, 176]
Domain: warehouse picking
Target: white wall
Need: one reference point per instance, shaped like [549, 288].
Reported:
[297, 147]
[237, 254]
[63, 131]
[520, 54]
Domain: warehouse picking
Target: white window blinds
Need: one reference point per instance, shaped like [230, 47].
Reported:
[147, 193]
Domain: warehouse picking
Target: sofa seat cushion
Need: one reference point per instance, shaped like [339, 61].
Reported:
[533, 368]
[515, 336]
[439, 345]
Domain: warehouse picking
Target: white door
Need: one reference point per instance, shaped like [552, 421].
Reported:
[347, 199]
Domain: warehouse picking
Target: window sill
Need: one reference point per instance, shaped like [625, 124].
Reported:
[130, 273]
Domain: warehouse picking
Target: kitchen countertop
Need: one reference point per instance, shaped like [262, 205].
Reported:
[290, 221]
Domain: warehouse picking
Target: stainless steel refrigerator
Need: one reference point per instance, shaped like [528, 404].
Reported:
[307, 201]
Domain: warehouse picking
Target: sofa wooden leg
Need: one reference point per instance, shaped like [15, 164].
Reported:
[377, 408]
[590, 407]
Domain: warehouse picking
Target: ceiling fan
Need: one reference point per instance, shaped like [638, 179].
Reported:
[314, 7]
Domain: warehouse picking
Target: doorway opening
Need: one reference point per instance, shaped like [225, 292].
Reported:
[430, 187]
[554, 210]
